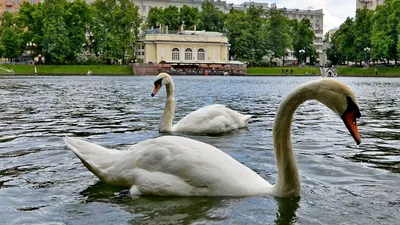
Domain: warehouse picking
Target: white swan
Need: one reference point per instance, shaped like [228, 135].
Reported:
[212, 119]
[179, 166]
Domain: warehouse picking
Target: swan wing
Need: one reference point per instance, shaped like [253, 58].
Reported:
[212, 119]
[179, 166]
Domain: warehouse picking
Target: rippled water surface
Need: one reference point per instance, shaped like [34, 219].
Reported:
[41, 181]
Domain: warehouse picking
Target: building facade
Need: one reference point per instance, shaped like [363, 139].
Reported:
[186, 50]
[182, 46]
[316, 16]
[14, 5]
[370, 4]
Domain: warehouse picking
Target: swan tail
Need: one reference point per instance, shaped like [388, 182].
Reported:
[247, 117]
[96, 158]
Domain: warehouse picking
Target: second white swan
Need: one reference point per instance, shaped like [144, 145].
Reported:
[179, 166]
[212, 119]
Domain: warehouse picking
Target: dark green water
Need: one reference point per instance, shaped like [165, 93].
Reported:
[42, 182]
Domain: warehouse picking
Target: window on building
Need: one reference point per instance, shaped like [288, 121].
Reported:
[16, 9]
[312, 17]
[188, 54]
[32, 2]
[201, 55]
[300, 16]
[142, 46]
[16, 2]
[144, 8]
[175, 54]
[9, 9]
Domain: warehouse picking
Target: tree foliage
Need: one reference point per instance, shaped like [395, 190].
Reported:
[303, 40]
[154, 18]
[115, 28]
[277, 33]
[370, 35]
[189, 16]
[211, 18]
[11, 41]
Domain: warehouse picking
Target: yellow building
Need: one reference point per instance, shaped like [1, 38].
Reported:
[186, 52]
[182, 47]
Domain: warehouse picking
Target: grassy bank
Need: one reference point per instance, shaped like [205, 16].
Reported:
[342, 71]
[70, 69]
[382, 71]
[277, 71]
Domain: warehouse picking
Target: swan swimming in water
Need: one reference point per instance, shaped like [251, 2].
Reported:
[179, 166]
[212, 119]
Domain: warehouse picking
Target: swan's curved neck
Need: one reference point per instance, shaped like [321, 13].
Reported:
[288, 183]
[169, 110]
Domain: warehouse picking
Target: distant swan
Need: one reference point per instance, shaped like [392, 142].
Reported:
[179, 166]
[212, 119]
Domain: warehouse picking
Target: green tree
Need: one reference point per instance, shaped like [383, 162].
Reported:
[55, 42]
[245, 35]
[77, 17]
[171, 17]
[211, 18]
[332, 52]
[362, 33]
[154, 18]
[344, 39]
[385, 35]
[303, 40]
[11, 41]
[277, 31]
[30, 19]
[189, 16]
[115, 28]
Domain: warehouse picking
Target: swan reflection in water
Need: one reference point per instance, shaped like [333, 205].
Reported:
[187, 210]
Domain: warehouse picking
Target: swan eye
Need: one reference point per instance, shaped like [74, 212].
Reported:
[352, 107]
[158, 82]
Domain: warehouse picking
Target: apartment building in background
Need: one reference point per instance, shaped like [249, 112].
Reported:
[14, 5]
[370, 4]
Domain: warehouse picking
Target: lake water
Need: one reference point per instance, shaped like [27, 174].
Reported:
[41, 181]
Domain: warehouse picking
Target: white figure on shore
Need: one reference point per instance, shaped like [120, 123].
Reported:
[89, 72]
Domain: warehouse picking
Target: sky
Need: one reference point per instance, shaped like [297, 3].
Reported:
[335, 11]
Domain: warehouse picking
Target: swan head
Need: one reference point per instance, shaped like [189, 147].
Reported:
[338, 97]
[161, 79]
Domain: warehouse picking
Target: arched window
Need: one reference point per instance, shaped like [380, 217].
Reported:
[201, 55]
[175, 54]
[188, 54]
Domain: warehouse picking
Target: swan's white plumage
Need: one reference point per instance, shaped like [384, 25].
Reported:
[179, 166]
[171, 165]
[212, 119]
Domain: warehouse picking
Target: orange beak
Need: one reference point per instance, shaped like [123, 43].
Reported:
[349, 119]
[157, 87]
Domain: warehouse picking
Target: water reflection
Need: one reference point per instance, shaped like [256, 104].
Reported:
[287, 211]
[160, 210]
[187, 210]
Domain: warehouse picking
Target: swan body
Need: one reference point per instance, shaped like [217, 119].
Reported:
[213, 119]
[179, 166]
